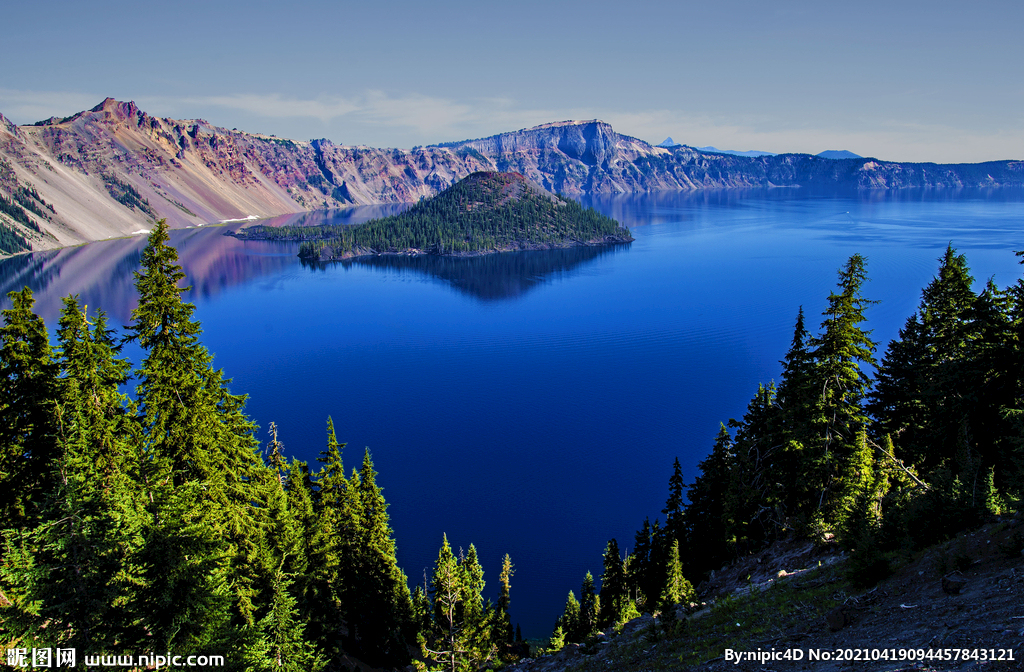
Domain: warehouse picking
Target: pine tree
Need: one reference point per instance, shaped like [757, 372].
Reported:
[898, 401]
[752, 507]
[857, 494]
[453, 640]
[502, 634]
[570, 620]
[477, 616]
[677, 589]
[796, 401]
[841, 350]
[333, 547]
[557, 641]
[928, 385]
[278, 641]
[705, 516]
[613, 585]
[376, 595]
[589, 609]
[675, 526]
[27, 391]
[203, 472]
[75, 575]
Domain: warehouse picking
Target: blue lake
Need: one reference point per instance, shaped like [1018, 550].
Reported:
[532, 403]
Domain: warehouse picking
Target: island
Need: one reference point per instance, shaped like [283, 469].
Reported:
[484, 213]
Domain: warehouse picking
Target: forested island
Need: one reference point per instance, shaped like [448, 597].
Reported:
[485, 212]
[161, 522]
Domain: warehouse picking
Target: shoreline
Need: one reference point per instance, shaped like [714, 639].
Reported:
[327, 254]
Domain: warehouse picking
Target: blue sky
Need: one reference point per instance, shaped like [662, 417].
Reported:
[901, 80]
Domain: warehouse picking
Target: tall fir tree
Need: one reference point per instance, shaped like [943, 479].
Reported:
[590, 608]
[28, 380]
[752, 506]
[675, 526]
[928, 385]
[677, 589]
[203, 469]
[796, 401]
[457, 638]
[613, 585]
[841, 352]
[502, 633]
[705, 516]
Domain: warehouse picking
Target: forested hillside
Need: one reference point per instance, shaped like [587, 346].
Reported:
[161, 522]
[485, 212]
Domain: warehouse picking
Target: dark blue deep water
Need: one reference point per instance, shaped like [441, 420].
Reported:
[532, 403]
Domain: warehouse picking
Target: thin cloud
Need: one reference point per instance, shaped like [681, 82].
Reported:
[428, 116]
[325, 108]
[26, 107]
[377, 118]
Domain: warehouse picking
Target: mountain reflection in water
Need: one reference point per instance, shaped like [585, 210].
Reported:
[491, 277]
[102, 273]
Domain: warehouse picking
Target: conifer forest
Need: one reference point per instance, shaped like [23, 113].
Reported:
[142, 509]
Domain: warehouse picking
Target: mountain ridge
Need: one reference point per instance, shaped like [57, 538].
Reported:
[112, 170]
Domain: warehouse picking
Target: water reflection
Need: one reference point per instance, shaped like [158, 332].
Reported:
[102, 273]
[336, 216]
[492, 277]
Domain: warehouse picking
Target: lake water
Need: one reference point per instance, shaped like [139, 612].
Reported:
[532, 403]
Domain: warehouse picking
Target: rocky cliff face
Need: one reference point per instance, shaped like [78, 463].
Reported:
[112, 170]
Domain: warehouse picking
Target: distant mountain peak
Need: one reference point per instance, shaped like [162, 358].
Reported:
[838, 154]
[668, 142]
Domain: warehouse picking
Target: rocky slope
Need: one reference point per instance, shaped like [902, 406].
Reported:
[112, 170]
[960, 599]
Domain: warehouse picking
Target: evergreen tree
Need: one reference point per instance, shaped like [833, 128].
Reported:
[646, 567]
[613, 586]
[570, 620]
[203, 472]
[752, 507]
[796, 403]
[74, 576]
[377, 598]
[27, 391]
[502, 634]
[458, 637]
[675, 526]
[332, 547]
[928, 385]
[557, 640]
[841, 350]
[589, 609]
[705, 516]
[677, 589]
[278, 641]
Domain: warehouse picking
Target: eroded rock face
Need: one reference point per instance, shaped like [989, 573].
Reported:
[192, 172]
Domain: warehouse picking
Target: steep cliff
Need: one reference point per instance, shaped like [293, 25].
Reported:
[113, 170]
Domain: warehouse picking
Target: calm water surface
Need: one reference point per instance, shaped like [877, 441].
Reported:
[533, 403]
